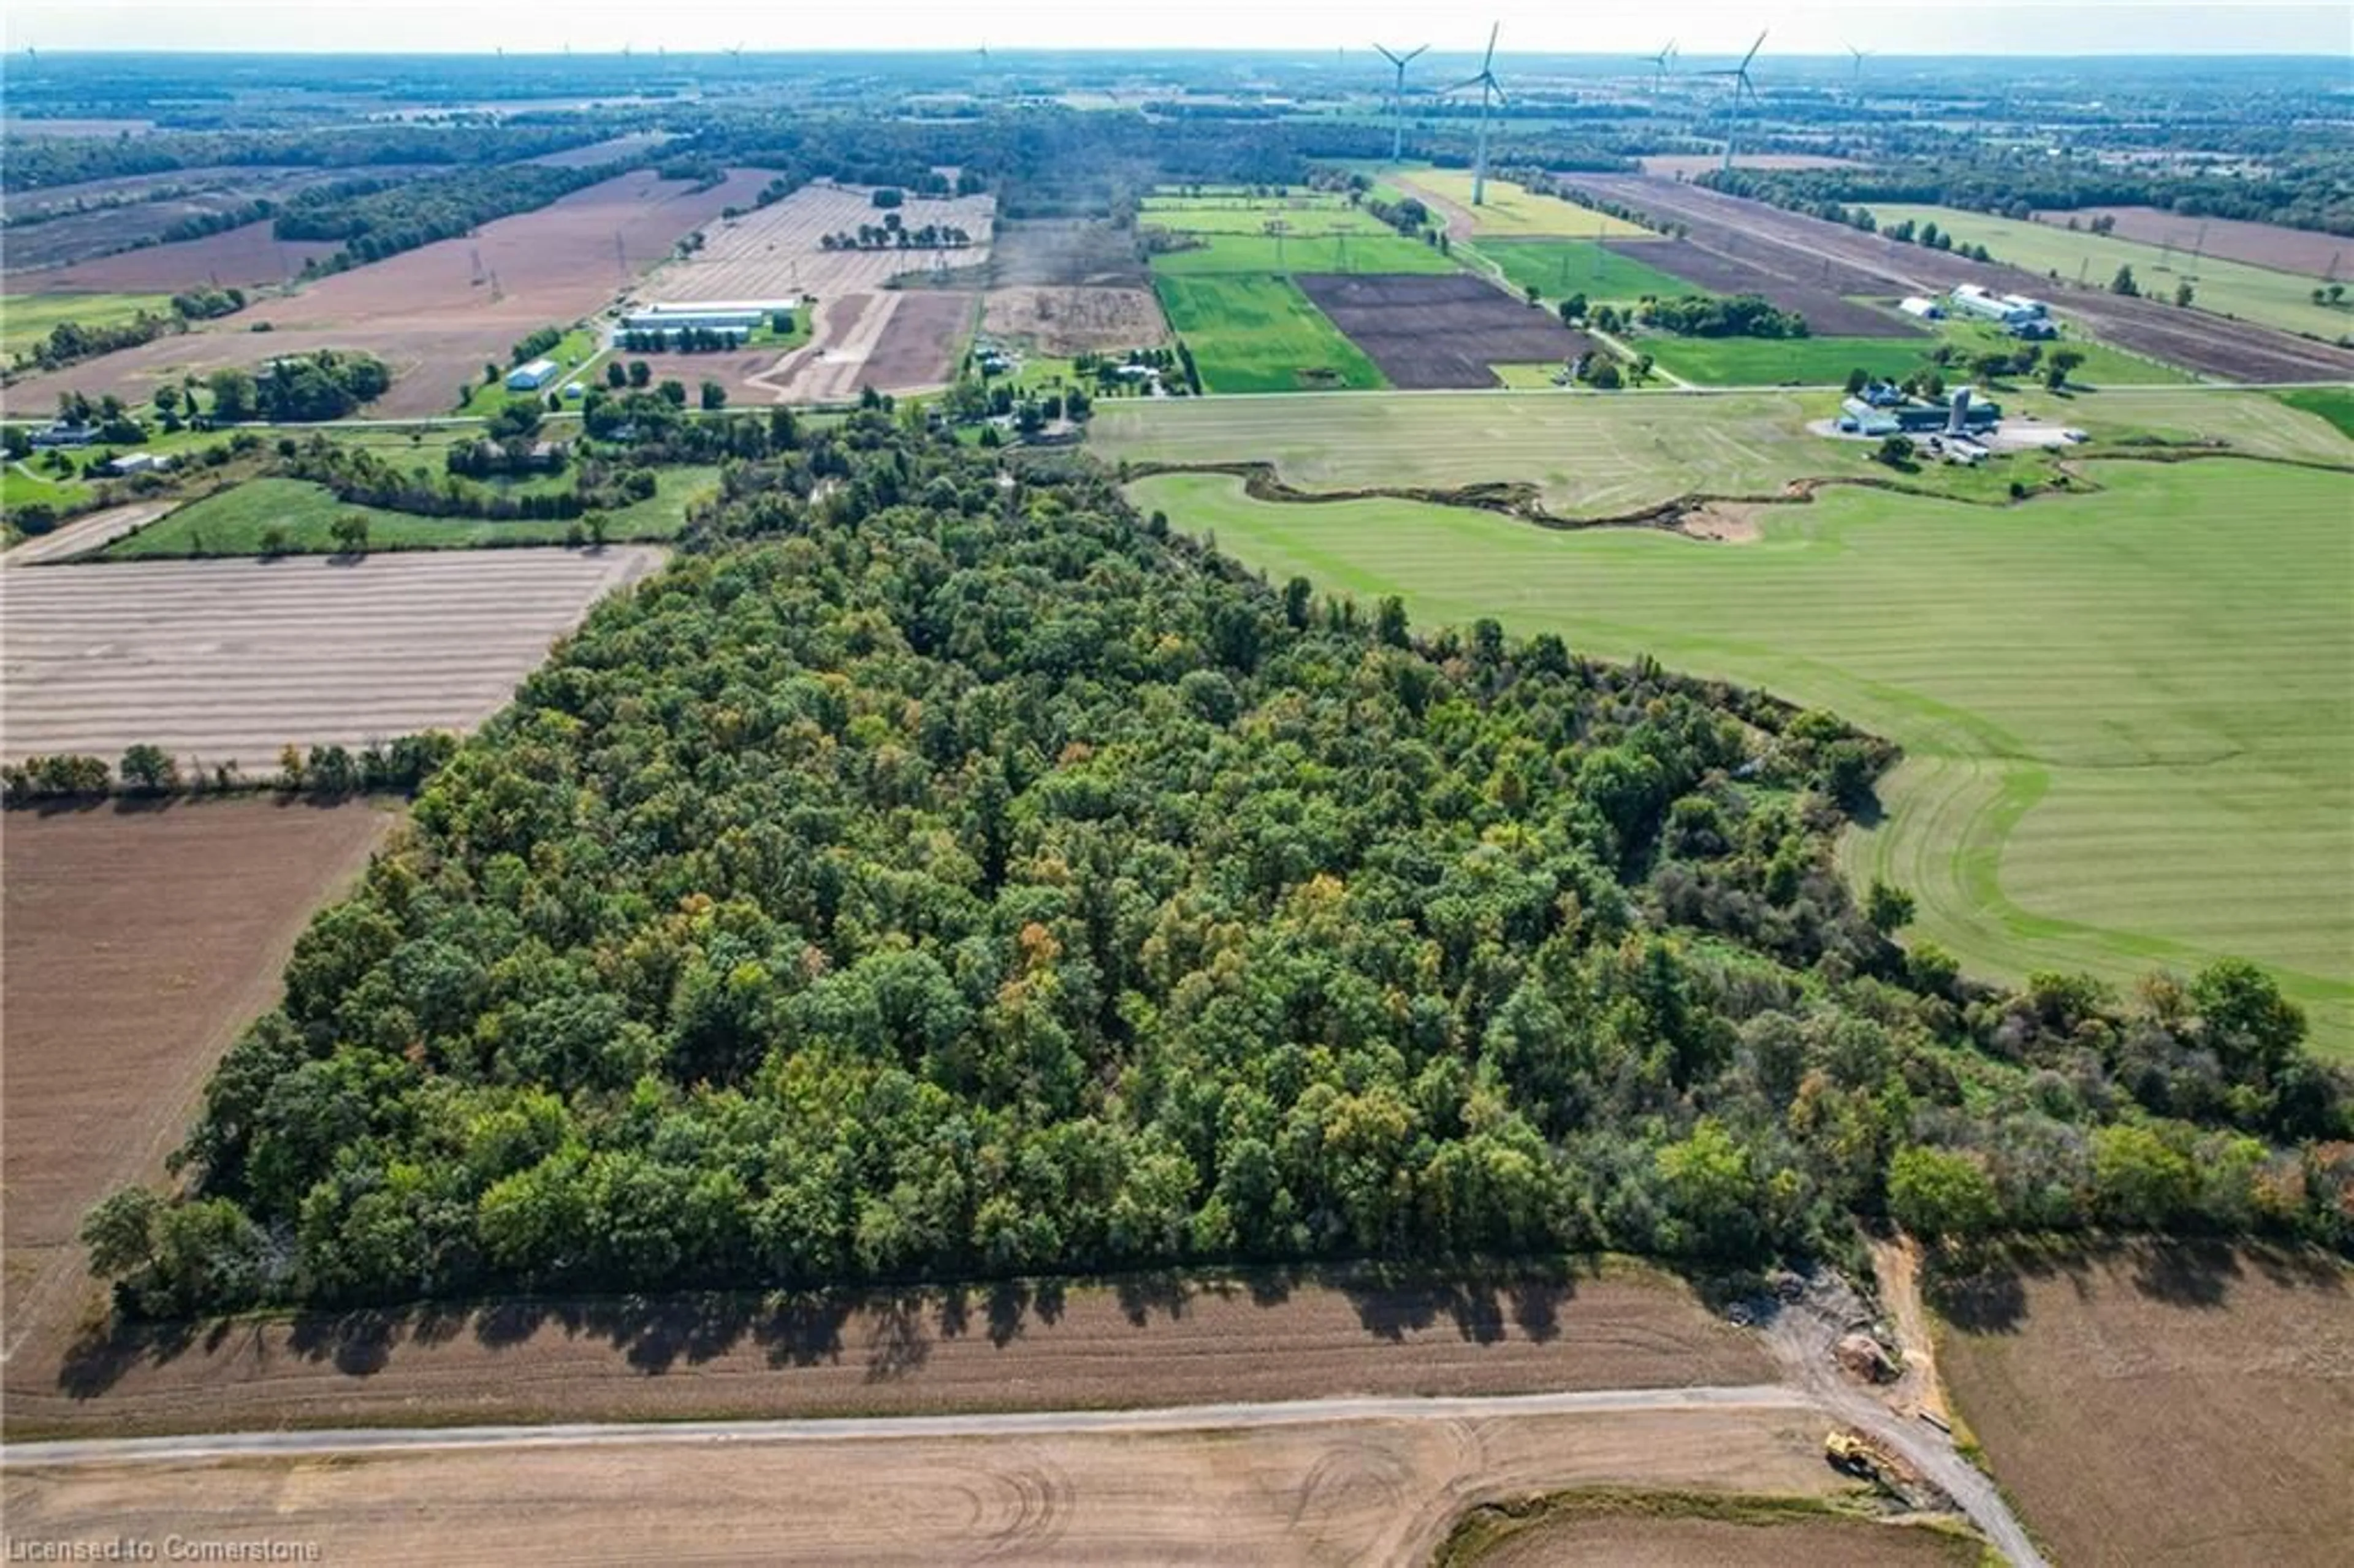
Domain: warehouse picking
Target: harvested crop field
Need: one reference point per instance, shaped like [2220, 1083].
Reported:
[431, 314]
[921, 342]
[2182, 1403]
[1828, 313]
[1648, 1532]
[246, 256]
[1509, 210]
[1149, 1342]
[230, 660]
[1370, 1491]
[1800, 248]
[773, 252]
[1430, 331]
[2305, 250]
[1064, 253]
[1065, 321]
[138, 942]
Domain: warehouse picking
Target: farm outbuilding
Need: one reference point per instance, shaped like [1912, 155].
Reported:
[1928, 310]
[712, 316]
[1972, 300]
[533, 376]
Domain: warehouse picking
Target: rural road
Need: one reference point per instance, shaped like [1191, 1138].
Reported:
[1014, 1424]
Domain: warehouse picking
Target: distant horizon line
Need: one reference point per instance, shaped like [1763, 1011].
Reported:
[661, 51]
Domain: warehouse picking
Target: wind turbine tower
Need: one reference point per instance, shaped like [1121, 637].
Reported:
[1741, 85]
[1660, 64]
[1490, 95]
[1397, 98]
[1855, 82]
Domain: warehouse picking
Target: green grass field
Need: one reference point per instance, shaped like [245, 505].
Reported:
[2129, 737]
[2334, 404]
[231, 522]
[1382, 252]
[1509, 211]
[1560, 268]
[26, 319]
[2282, 299]
[1253, 333]
[1306, 213]
[1602, 455]
[1781, 362]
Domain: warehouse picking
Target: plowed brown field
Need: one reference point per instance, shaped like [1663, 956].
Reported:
[137, 943]
[1372, 1492]
[230, 660]
[432, 314]
[239, 258]
[1134, 1343]
[2182, 1403]
[2305, 250]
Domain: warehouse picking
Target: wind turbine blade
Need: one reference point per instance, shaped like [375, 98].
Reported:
[1753, 50]
[1488, 62]
[1472, 81]
[1383, 51]
[1417, 50]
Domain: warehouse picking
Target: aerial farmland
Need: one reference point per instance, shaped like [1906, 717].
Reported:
[807, 801]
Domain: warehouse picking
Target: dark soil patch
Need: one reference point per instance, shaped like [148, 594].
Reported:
[1822, 299]
[1064, 253]
[920, 343]
[1445, 330]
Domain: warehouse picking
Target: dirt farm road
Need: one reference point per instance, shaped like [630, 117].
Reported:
[1012, 1424]
[1975, 1495]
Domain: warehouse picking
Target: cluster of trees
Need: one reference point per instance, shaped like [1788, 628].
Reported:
[401, 216]
[891, 233]
[2301, 191]
[1735, 315]
[328, 772]
[38, 163]
[204, 304]
[1925, 233]
[360, 477]
[691, 339]
[299, 388]
[533, 343]
[931, 877]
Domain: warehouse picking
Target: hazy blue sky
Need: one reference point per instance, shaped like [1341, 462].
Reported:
[1890, 26]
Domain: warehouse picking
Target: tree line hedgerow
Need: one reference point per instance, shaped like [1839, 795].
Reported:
[941, 871]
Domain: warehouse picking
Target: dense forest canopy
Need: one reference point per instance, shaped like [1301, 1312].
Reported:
[943, 872]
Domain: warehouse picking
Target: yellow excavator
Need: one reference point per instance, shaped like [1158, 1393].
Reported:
[1857, 1454]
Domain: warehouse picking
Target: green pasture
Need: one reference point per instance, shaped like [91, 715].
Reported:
[1308, 213]
[2282, 299]
[26, 319]
[1610, 453]
[1385, 251]
[1560, 268]
[2104, 365]
[1780, 362]
[2129, 737]
[2334, 404]
[231, 522]
[1254, 333]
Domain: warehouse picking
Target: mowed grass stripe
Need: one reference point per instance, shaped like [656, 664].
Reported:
[2128, 731]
